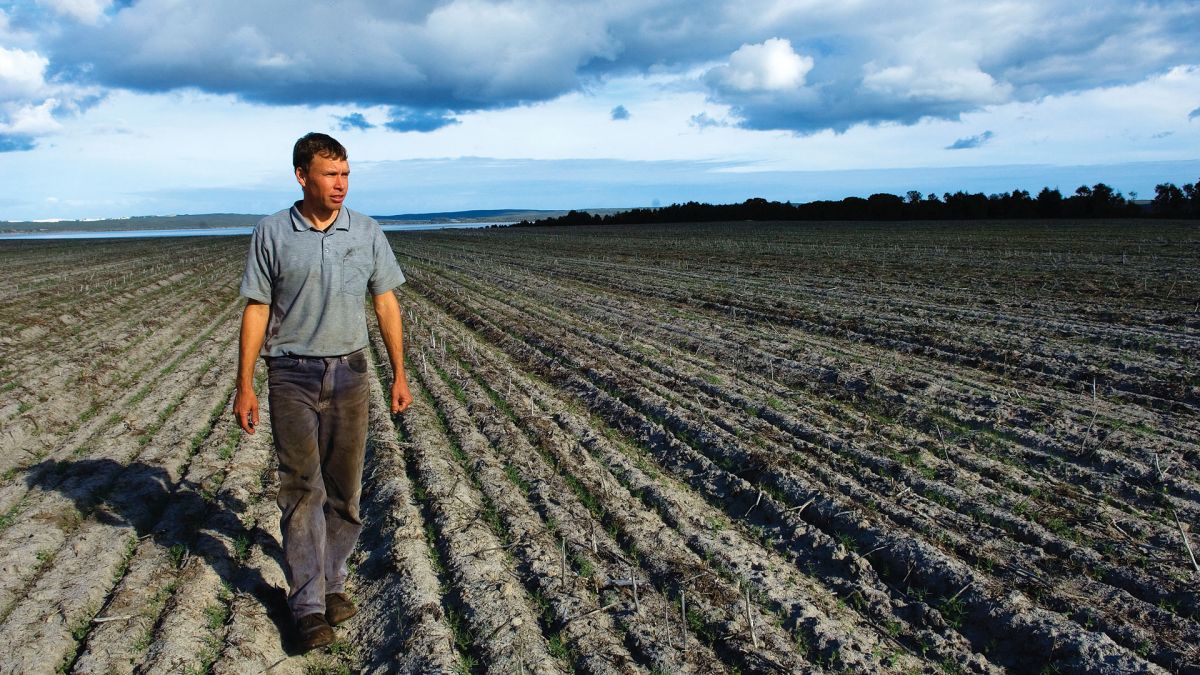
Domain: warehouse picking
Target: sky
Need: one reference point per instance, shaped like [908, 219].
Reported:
[155, 107]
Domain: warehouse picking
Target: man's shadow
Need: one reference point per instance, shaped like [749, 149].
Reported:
[179, 516]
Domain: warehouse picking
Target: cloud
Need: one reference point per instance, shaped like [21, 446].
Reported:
[16, 142]
[962, 85]
[1194, 114]
[770, 66]
[424, 121]
[878, 64]
[799, 66]
[353, 121]
[704, 121]
[36, 120]
[22, 74]
[767, 87]
[620, 113]
[971, 141]
[87, 11]
[30, 105]
[461, 54]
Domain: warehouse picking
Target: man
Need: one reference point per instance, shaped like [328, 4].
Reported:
[307, 271]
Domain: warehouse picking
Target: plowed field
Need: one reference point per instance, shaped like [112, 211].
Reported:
[945, 448]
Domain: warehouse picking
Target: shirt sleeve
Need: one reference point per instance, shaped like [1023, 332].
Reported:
[256, 280]
[386, 274]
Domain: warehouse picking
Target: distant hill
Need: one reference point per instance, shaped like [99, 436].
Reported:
[185, 222]
[219, 220]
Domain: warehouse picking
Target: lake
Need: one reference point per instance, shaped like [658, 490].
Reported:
[217, 231]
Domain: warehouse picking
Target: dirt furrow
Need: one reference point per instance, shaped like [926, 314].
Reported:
[892, 477]
[774, 363]
[125, 626]
[833, 635]
[401, 625]
[191, 632]
[916, 552]
[53, 613]
[589, 637]
[936, 567]
[965, 521]
[677, 569]
[85, 346]
[1138, 587]
[26, 441]
[256, 639]
[62, 494]
[503, 628]
[654, 634]
[737, 301]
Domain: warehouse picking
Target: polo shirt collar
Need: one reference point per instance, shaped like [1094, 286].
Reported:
[301, 224]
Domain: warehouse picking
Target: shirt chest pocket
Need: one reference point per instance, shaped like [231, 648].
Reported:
[356, 271]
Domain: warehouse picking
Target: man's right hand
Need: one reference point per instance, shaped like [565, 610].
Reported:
[245, 408]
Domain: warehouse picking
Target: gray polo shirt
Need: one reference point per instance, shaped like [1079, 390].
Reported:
[315, 281]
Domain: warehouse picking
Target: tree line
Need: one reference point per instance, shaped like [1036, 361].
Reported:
[1097, 201]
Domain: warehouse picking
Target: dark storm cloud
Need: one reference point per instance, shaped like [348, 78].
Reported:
[353, 121]
[971, 141]
[16, 142]
[620, 113]
[779, 65]
[467, 54]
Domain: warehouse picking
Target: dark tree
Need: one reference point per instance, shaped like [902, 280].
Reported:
[1049, 203]
[1192, 192]
[1169, 200]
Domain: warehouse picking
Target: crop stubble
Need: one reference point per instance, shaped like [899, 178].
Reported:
[902, 447]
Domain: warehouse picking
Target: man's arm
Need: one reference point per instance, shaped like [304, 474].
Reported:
[254, 331]
[391, 327]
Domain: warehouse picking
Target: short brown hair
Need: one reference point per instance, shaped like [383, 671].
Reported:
[312, 144]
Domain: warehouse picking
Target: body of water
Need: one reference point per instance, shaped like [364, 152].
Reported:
[216, 231]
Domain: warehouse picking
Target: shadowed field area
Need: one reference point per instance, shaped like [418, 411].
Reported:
[746, 447]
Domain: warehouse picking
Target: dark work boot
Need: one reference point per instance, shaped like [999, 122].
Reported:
[338, 608]
[314, 631]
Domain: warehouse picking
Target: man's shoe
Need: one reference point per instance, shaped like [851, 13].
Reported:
[338, 608]
[314, 631]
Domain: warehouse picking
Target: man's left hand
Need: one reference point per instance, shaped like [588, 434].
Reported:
[401, 397]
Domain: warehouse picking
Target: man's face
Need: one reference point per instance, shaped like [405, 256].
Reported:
[326, 182]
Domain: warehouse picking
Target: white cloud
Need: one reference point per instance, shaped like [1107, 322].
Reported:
[33, 120]
[769, 66]
[86, 11]
[22, 74]
[31, 106]
[964, 84]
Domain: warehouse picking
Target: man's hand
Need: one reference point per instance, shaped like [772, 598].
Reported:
[245, 408]
[254, 328]
[401, 398]
[391, 328]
